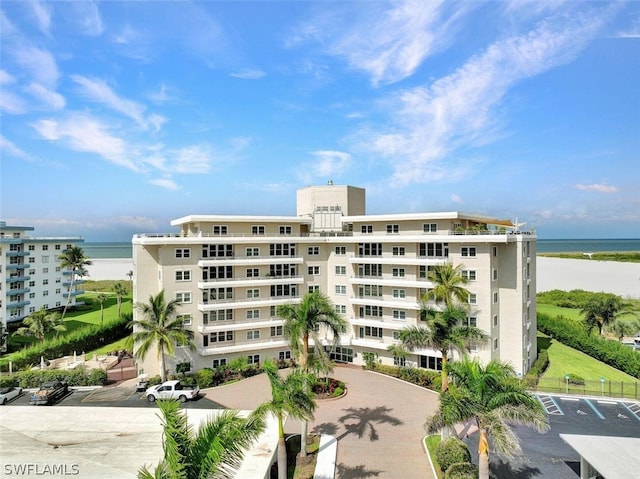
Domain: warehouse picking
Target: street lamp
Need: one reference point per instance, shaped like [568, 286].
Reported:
[602, 385]
[566, 377]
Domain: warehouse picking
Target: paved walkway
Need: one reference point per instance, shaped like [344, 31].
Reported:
[378, 424]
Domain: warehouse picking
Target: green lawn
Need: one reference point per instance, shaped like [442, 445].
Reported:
[108, 348]
[432, 442]
[552, 310]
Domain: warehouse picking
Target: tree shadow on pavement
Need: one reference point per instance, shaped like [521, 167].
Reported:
[355, 472]
[325, 428]
[500, 469]
[366, 418]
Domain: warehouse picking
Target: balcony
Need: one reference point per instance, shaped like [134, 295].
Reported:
[17, 279]
[399, 260]
[244, 347]
[66, 284]
[249, 260]
[18, 291]
[385, 302]
[14, 254]
[247, 302]
[238, 325]
[73, 293]
[18, 266]
[386, 323]
[240, 282]
[18, 304]
[410, 281]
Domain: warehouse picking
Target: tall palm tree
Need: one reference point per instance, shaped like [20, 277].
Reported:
[75, 260]
[600, 311]
[40, 323]
[290, 397]
[161, 328]
[302, 323]
[214, 451]
[399, 353]
[101, 298]
[120, 290]
[445, 331]
[448, 284]
[494, 398]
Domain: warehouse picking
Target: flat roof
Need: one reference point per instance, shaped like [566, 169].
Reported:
[442, 215]
[239, 219]
[613, 457]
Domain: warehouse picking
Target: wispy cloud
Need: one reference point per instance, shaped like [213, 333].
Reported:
[326, 164]
[39, 63]
[10, 148]
[42, 13]
[597, 187]
[166, 183]
[249, 74]
[456, 199]
[460, 110]
[50, 98]
[192, 159]
[86, 16]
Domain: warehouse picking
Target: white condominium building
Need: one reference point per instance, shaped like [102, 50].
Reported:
[230, 273]
[30, 274]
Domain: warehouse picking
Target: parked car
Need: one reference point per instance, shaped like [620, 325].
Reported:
[171, 390]
[8, 394]
[49, 392]
[143, 383]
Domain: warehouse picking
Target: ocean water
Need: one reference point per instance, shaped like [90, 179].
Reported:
[123, 250]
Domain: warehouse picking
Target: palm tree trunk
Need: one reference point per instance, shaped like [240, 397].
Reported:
[282, 451]
[445, 376]
[305, 365]
[483, 455]
[162, 368]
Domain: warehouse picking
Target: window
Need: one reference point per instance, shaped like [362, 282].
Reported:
[341, 289]
[219, 363]
[495, 344]
[370, 270]
[276, 331]
[429, 227]
[279, 270]
[469, 274]
[280, 290]
[221, 337]
[217, 250]
[393, 229]
[253, 293]
[32, 247]
[284, 355]
[399, 315]
[342, 355]
[313, 250]
[57, 247]
[494, 251]
[44, 293]
[366, 229]
[57, 280]
[183, 252]
[285, 230]
[495, 297]
[422, 271]
[186, 319]
[45, 270]
[472, 321]
[58, 290]
[369, 290]
[434, 250]
[341, 309]
[431, 362]
[396, 335]
[183, 297]
[253, 272]
[32, 284]
[253, 314]
[183, 275]
[494, 274]
[45, 259]
[253, 334]
[313, 270]
[398, 272]
[313, 288]
[217, 315]
[341, 270]
[45, 247]
[57, 269]
[214, 294]
[399, 361]
[282, 249]
[45, 282]
[252, 251]
[473, 298]
[398, 251]
[253, 359]
[341, 250]
[399, 293]
[220, 230]
[369, 249]
[495, 320]
[32, 295]
[370, 311]
[370, 332]
[217, 272]
[468, 251]
[257, 230]
[32, 271]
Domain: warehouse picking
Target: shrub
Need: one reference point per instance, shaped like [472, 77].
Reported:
[204, 378]
[575, 379]
[75, 377]
[451, 451]
[462, 470]
[337, 392]
[370, 360]
[538, 368]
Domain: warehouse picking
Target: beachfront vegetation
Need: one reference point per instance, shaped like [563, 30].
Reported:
[41, 323]
[161, 328]
[215, 450]
[492, 397]
[75, 260]
[620, 256]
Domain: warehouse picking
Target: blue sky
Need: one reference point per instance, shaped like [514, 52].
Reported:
[119, 116]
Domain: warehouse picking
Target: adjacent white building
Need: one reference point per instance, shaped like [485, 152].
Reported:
[30, 274]
[231, 272]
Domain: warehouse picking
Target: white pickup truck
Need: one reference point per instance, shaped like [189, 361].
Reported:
[171, 390]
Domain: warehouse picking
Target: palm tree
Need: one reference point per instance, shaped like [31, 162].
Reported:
[120, 290]
[290, 397]
[161, 328]
[40, 323]
[302, 323]
[494, 398]
[75, 260]
[448, 284]
[601, 310]
[214, 451]
[445, 331]
[101, 298]
[399, 353]
[623, 327]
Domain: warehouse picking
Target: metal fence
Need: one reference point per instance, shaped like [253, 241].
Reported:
[615, 389]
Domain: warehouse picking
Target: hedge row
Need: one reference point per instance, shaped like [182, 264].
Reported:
[538, 368]
[421, 377]
[83, 339]
[575, 299]
[75, 377]
[610, 352]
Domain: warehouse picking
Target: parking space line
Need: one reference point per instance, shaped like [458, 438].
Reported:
[633, 408]
[550, 405]
[592, 406]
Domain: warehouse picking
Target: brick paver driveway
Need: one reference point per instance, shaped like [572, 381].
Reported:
[378, 424]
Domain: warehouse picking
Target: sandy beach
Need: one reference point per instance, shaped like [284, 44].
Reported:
[553, 273]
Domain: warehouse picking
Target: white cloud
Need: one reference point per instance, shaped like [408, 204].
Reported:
[87, 17]
[50, 98]
[456, 199]
[11, 103]
[598, 187]
[40, 64]
[249, 74]
[166, 183]
[192, 159]
[98, 91]
[10, 148]
[83, 133]
[328, 162]
[461, 109]
[42, 12]
[6, 78]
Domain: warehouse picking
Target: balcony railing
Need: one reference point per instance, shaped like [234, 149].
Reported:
[251, 279]
[244, 300]
[16, 279]
[18, 266]
[18, 291]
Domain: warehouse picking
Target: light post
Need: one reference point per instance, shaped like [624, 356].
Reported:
[566, 378]
[602, 386]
